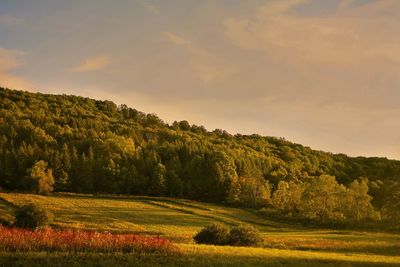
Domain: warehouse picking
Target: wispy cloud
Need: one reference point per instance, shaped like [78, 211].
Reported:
[92, 64]
[149, 7]
[176, 39]
[207, 66]
[310, 70]
[275, 7]
[345, 4]
[348, 36]
[8, 64]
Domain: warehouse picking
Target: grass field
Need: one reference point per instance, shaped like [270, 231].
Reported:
[178, 220]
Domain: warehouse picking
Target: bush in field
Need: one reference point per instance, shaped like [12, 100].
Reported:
[32, 216]
[215, 234]
[244, 235]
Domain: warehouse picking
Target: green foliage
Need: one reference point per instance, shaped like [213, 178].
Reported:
[357, 203]
[158, 185]
[39, 178]
[215, 234]
[218, 234]
[287, 197]
[222, 178]
[32, 216]
[323, 199]
[244, 235]
[77, 144]
[254, 192]
[179, 219]
[392, 202]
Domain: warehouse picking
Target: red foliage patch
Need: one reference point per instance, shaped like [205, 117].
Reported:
[14, 239]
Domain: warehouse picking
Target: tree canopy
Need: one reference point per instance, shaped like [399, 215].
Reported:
[77, 144]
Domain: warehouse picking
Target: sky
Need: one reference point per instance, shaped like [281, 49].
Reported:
[325, 74]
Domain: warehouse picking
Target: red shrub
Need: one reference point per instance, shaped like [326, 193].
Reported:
[13, 239]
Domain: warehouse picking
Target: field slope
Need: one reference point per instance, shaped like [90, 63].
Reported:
[179, 220]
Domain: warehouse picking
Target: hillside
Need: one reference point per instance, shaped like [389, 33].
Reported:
[179, 220]
[87, 146]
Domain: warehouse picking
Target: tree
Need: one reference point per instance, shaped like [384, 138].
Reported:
[254, 191]
[223, 179]
[287, 197]
[63, 181]
[357, 203]
[158, 185]
[391, 204]
[93, 146]
[173, 181]
[111, 177]
[184, 125]
[40, 178]
[322, 197]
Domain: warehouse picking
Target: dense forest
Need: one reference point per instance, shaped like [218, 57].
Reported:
[76, 144]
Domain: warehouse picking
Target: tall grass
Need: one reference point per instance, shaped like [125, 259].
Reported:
[14, 239]
[179, 220]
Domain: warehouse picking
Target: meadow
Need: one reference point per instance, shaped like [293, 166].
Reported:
[179, 220]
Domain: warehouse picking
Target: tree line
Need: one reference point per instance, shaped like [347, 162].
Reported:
[76, 144]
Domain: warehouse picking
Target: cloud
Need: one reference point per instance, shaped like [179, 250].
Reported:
[377, 8]
[8, 64]
[322, 73]
[345, 4]
[175, 39]
[351, 35]
[150, 7]
[278, 7]
[92, 64]
[207, 66]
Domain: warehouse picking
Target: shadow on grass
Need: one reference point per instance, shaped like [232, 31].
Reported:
[120, 259]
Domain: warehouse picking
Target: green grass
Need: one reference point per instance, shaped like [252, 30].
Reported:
[176, 219]
[200, 255]
[179, 220]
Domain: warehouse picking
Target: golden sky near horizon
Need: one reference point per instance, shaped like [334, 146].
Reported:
[321, 73]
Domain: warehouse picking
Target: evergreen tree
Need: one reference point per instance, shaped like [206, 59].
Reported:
[94, 146]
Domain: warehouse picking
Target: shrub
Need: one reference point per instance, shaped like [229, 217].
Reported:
[215, 234]
[218, 234]
[244, 235]
[32, 216]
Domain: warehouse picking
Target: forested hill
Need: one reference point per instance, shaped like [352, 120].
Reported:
[96, 146]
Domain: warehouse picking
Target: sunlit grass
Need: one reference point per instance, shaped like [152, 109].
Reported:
[270, 255]
[179, 220]
[203, 255]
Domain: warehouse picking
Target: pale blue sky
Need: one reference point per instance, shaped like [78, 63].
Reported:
[322, 73]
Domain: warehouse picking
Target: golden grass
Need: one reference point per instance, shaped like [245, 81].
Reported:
[179, 220]
[268, 255]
